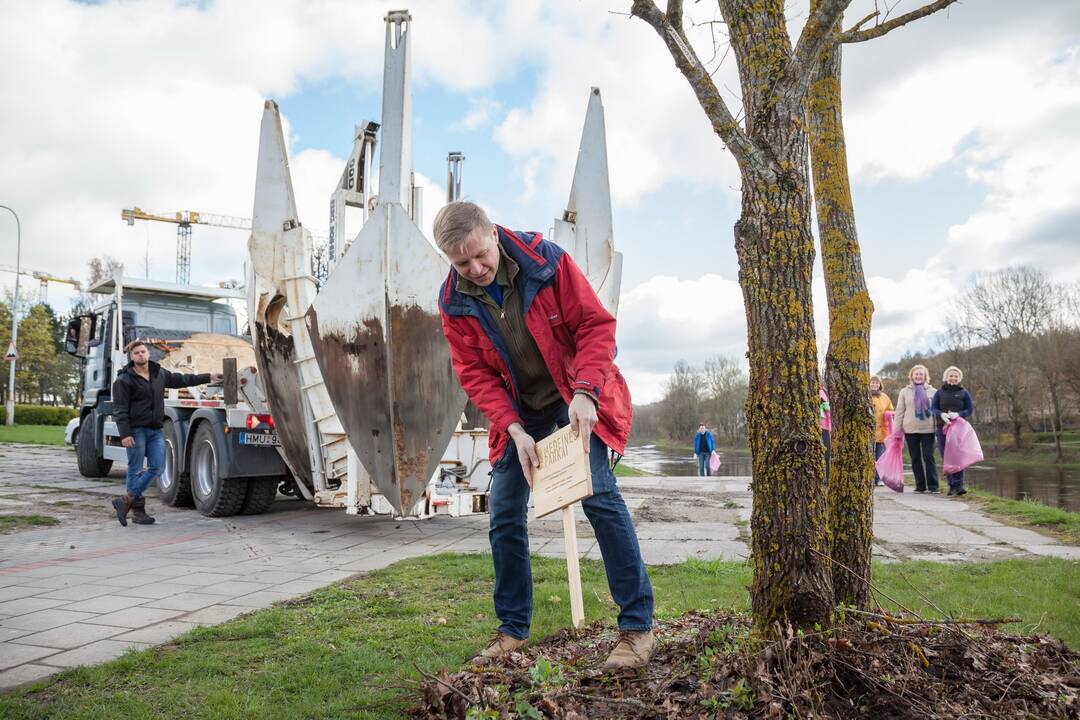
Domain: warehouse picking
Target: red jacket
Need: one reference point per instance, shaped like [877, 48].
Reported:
[573, 331]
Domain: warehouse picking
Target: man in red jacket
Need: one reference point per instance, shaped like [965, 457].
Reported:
[533, 347]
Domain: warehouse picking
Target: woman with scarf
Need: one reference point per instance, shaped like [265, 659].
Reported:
[882, 404]
[915, 415]
[950, 402]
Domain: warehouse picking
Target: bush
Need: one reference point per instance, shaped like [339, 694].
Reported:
[43, 415]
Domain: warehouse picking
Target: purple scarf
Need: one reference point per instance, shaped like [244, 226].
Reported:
[922, 403]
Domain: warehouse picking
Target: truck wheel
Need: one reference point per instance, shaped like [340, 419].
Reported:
[214, 495]
[260, 495]
[175, 487]
[91, 465]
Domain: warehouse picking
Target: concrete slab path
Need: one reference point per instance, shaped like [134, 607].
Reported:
[87, 590]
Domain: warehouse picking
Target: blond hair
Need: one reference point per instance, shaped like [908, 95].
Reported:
[455, 222]
[918, 367]
[950, 369]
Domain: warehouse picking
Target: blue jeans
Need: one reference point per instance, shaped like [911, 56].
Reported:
[149, 444]
[956, 480]
[627, 578]
[703, 464]
[879, 450]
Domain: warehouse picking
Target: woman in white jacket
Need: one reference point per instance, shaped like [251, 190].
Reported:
[915, 416]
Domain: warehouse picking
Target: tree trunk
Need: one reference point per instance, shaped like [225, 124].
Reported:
[788, 523]
[1055, 403]
[847, 362]
[775, 247]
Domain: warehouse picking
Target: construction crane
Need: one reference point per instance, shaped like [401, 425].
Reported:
[183, 220]
[44, 279]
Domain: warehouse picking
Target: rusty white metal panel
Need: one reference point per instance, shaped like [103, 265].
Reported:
[585, 230]
[272, 338]
[395, 159]
[376, 331]
[280, 290]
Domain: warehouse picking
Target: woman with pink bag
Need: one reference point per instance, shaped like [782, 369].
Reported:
[950, 402]
[882, 404]
[915, 417]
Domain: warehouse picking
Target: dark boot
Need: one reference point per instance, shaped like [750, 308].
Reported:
[138, 512]
[122, 506]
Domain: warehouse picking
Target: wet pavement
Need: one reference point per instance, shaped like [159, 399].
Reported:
[85, 590]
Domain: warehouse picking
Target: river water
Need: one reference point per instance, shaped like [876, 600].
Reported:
[1048, 485]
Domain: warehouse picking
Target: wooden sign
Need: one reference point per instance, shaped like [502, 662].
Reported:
[563, 477]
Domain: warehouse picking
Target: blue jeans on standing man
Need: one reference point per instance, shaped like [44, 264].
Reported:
[627, 578]
[703, 465]
[149, 445]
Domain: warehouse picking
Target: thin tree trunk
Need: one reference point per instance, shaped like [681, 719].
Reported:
[775, 247]
[788, 522]
[1055, 403]
[847, 362]
[773, 240]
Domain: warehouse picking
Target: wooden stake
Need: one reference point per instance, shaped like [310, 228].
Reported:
[573, 570]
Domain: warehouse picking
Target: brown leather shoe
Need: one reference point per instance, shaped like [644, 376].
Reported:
[500, 645]
[122, 506]
[138, 512]
[633, 650]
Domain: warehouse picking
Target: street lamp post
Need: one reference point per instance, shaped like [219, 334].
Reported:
[14, 317]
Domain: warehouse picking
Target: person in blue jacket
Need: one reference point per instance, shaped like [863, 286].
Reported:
[703, 447]
[950, 402]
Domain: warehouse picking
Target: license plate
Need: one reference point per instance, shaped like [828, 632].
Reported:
[259, 439]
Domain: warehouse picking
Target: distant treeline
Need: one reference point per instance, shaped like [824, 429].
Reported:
[1014, 333]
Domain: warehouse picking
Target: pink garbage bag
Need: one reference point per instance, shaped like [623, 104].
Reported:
[890, 466]
[962, 446]
[714, 461]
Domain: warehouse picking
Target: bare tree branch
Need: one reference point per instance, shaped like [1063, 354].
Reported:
[816, 34]
[674, 14]
[854, 34]
[746, 152]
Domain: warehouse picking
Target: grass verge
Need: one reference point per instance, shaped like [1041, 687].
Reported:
[1062, 524]
[13, 522]
[354, 649]
[34, 434]
[624, 470]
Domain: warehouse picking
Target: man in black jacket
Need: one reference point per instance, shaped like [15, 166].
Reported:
[138, 398]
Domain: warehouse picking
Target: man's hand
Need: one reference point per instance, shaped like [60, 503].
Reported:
[216, 377]
[128, 442]
[582, 415]
[526, 450]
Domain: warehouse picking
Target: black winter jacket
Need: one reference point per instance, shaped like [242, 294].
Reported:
[138, 403]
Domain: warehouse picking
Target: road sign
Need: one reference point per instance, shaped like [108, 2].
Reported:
[11, 354]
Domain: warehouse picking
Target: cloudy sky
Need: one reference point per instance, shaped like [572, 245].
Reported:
[963, 130]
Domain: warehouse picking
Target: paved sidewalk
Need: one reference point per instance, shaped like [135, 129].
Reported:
[86, 590]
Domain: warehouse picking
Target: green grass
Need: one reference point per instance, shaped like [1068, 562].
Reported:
[35, 434]
[1037, 450]
[624, 470]
[12, 522]
[351, 650]
[1062, 524]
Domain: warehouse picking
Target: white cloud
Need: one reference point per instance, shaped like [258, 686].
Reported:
[656, 131]
[666, 319]
[480, 114]
[158, 104]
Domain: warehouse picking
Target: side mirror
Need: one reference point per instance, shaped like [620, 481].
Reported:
[79, 336]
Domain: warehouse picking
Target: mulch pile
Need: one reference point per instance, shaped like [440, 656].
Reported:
[708, 666]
